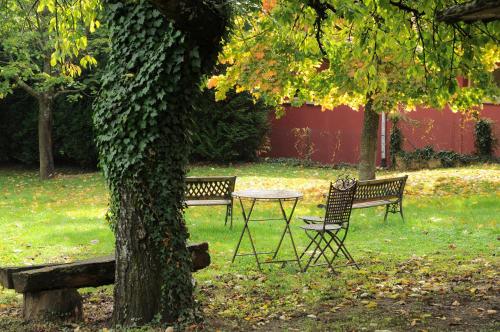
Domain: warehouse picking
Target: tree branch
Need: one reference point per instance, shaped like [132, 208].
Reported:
[27, 88]
[321, 9]
[407, 8]
[477, 10]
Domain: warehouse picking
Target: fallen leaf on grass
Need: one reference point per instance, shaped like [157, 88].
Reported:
[371, 305]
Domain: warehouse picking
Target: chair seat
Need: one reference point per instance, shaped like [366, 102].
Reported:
[312, 219]
[366, 204]
[208, 202]
[319, 227]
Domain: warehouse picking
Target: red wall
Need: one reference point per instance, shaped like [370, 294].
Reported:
[336, 134]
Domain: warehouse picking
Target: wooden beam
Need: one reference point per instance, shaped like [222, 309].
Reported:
[7, 272]
[87, 273]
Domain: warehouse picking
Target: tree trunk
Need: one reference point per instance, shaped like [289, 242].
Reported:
[138, 269]
[369, 138]
[45, 138]
[142, 120]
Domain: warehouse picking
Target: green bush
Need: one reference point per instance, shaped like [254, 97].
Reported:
[229, 130]
[18, 128]
[484, 138]
[396, 141]
[72, 136]
[446, 158]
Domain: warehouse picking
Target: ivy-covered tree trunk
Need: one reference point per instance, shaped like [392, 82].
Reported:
[142, 119]
[46, 156]
[369, 137]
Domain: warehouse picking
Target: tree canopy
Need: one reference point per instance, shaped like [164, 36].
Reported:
[334, 52]
[44, 43]
[42, 49]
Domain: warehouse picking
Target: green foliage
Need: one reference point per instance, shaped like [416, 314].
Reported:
[74, 140]
[445, 158]
[229, 130]
[348, 52]
[44, 48]
[73, 136]
[484, 138]
[396, 141]
[18, 129]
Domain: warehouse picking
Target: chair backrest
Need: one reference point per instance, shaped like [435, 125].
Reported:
[339, 202]
[210, 187]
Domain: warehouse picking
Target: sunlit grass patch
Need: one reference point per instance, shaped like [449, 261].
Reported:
[450, 233]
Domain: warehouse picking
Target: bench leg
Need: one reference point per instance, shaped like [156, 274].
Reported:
[229, 214]
[386, 212]
[394, 208]
[401, 210]
[53, 304]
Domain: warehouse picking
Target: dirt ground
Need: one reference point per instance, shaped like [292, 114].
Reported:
[440, 311]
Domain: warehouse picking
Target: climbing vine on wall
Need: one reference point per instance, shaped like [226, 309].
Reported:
[141, 121]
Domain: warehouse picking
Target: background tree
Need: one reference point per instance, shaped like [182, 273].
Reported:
[374, 55]
[142, 122]
[42, 49]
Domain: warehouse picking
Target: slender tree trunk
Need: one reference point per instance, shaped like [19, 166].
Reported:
[369, 137]
[46, 157]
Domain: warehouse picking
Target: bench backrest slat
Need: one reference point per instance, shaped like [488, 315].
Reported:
[380, 189]
[211, 187]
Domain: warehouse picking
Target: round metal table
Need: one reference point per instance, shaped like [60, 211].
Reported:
[269, 195]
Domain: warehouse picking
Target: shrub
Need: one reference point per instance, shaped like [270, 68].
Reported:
[396, 141]
[229, 130]
[72, 136]
[303, 144]
[18, 125]
[484, 138]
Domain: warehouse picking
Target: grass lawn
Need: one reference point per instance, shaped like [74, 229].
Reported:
[438, 270]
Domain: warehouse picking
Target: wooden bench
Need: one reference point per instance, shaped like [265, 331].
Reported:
[388, 192]
[210, 191]
[50, 290]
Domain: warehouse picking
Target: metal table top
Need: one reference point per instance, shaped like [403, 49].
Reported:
[268, 194]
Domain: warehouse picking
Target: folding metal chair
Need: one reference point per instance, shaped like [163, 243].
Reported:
[328, 233]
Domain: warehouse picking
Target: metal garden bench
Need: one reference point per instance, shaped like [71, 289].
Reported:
[388, 192]
[210, 191]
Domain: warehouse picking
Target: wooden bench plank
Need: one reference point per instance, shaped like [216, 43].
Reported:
[87, 273]
[7, 272]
